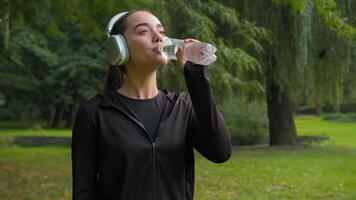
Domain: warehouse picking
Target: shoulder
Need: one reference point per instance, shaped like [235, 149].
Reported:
[178, 97]
[89, 107]
[91, 104]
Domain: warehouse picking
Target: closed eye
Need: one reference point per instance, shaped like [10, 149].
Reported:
[143, 31]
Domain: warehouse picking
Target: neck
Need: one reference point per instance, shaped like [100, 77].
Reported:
[139, 83]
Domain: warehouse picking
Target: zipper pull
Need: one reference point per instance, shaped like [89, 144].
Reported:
[154, 146]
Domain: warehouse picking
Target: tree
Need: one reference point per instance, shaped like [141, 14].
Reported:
[306, 35]
[236, 40]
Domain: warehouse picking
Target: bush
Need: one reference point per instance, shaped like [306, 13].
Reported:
[246, 121]
[13, 125]
[307, 110]
[348, 107]
[349, 117]
[328, 108]
[345, 107]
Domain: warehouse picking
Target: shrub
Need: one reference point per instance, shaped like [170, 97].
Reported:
[348, 107]
[246, 121]
[345, 107]
[307, 110]
[344, 117]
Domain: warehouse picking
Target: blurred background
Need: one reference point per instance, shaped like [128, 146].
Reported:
[284, 80]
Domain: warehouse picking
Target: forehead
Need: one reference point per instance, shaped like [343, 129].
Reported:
[142, 17]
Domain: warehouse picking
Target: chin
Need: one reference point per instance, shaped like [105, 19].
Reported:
[161, 62]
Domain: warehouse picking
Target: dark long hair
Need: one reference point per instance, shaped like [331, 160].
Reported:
[116, 74]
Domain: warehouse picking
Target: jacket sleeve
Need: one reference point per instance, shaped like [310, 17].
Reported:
[84, 158]
[206, 125]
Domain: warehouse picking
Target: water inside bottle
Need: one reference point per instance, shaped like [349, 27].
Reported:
[196, 52]
[169, 47]
[170, 51]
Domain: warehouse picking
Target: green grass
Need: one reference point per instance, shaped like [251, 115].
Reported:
[280, 173]
[317, 172]
[261, 173]
[35, 173]
[340, 133]
[42, 132]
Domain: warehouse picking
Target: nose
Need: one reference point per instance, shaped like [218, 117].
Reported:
[157, 36]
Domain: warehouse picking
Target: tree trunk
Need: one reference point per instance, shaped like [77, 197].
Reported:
[58, 116]
[52, 110]
[71, 115]
[318, 110]
[282, 129]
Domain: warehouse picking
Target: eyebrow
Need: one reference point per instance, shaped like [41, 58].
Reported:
[146, 24]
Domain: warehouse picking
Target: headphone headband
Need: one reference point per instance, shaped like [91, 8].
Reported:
[113, 21]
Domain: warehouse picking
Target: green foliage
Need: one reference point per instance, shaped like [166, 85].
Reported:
[246, 121]
[329, 12]
[56, 54]
[348, 107]
[331, 15]
[24, 66]
[56, 50]
[83, 72]
[237, 41]
[307, 110]
[311, 60]
[297, 6]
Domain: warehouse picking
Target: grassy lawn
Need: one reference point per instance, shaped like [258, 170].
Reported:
[318, 172]
[42, 132]
[265, 173]
[340, 133]
[280, 173]
[35, 173]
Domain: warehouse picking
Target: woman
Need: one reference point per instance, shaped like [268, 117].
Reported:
[135, 141]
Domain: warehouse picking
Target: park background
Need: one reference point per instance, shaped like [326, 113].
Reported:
[284, 80]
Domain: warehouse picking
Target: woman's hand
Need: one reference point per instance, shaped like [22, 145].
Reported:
[180, 53]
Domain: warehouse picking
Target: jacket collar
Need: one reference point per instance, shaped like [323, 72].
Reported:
[108, 99]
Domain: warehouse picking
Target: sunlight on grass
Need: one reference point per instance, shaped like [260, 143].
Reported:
[42, 132]
[340, 133]
[279, 173]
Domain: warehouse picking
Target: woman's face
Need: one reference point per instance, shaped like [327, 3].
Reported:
[144, 34]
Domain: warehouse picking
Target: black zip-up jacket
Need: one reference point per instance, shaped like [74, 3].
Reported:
[114, 158]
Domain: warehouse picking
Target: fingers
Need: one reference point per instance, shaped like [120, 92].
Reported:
[188, 40]
[180, 52]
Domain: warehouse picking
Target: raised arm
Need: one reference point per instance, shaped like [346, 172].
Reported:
[206, 125]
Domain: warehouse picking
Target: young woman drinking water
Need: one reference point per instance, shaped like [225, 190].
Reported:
[135, 141]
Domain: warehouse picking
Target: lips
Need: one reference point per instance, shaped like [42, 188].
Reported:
[156, 49]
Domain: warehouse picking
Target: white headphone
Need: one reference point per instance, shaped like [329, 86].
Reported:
[117, 52]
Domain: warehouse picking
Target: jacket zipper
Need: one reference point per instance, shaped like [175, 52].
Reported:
[154, 170]
[153, 147]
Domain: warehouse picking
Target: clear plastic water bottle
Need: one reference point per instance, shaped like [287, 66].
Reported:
[196, 52]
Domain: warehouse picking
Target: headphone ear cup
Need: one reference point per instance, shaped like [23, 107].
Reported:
[117, 52]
